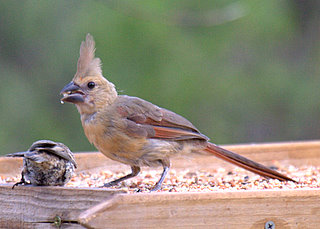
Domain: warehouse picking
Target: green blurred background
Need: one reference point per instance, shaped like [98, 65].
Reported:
[241, 71]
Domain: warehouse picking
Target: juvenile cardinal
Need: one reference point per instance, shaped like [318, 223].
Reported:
[133, 131]
[46, 163]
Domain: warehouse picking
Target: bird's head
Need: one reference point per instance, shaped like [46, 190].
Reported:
[55, 148]
[49, 147]
[89, 90]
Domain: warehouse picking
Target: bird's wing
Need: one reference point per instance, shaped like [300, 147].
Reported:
[61, 153]
[65, 154]
[146, 119]
[36, 157]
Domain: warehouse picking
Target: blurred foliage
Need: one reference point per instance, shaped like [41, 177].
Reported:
[241, 71]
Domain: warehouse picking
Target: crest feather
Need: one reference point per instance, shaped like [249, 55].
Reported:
[87, 63]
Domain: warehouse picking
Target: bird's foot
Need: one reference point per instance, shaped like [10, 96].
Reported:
[23, 183]
[156, 187]
[17, 184]
[109, 184]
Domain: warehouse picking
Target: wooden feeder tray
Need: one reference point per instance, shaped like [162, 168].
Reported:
[66, 207]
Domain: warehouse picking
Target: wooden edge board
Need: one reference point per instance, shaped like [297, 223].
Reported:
[229, 209]
[26, 205]
[295, 153]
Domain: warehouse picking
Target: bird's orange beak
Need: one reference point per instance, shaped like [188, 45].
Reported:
[72, 93]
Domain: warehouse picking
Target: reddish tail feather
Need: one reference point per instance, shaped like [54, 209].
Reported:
[245, 163]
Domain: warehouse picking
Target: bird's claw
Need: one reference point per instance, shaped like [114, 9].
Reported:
[108, 185]
[156, 188]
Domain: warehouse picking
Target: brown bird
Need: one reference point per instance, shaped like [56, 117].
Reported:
[46, 163]
[136, 132]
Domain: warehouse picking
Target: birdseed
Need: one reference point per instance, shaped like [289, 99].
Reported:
[195, 181]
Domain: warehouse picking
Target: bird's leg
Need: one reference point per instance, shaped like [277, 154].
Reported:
[135, 171]
[159, 183]
[18, 183]
[166, 167]
[22, 181]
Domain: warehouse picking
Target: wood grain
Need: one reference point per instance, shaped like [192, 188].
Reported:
[241, 209]
[32, 207]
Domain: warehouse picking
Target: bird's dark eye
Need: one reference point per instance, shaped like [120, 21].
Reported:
[91, 85]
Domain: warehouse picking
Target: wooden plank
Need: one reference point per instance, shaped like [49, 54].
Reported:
[293, 153]
[10, 166]
[296, 153]
[241, 209]
[24, 225]
[37, 207]
[286, 153]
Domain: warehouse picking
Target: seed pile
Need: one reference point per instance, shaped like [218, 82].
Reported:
[195, 181]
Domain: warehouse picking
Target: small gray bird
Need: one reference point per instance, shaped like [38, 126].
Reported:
[46, 163]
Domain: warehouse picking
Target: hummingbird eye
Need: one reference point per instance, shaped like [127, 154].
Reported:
[91, 85]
